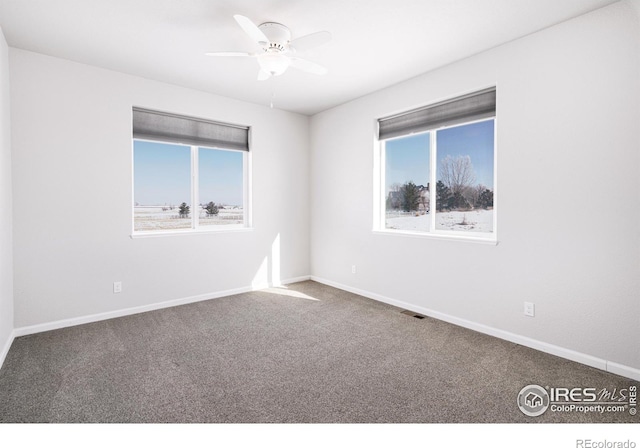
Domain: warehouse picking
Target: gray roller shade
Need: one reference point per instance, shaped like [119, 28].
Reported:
[475, 106]
[162, 126]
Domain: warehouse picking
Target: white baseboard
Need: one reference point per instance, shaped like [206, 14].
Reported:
[602, 364]
[39, 328]
[582, 358]
[622, 370]
[6, 347]
[257, 286]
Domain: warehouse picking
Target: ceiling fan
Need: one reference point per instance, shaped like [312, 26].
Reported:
[277, 49]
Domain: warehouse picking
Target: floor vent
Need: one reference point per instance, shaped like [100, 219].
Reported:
[412, 314]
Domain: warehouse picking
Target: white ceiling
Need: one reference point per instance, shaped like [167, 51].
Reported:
[376, 43]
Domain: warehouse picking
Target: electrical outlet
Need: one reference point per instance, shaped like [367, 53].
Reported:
[529, 309]
[117, 287]
[353, 269]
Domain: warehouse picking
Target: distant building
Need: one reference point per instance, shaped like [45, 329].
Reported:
[394, 200]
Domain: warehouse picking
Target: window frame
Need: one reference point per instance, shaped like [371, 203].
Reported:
[380, 195]
[196, 228]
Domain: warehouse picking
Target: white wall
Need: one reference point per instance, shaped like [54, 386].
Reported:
[6, 244]
[72, 164]
[568, 184]
[568, 163]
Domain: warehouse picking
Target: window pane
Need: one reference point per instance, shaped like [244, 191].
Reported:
[162, 186]
[407, 183]
[220, 187]
[465, 179]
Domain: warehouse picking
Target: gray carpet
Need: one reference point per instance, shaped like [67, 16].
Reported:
[279, 356]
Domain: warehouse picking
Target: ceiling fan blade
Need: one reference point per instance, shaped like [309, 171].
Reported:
[230, 53]
[310, 41]
[263, 75]
[307, 66]
[251, 29]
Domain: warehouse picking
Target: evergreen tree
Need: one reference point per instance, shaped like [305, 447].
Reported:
[410, 194]
[458, 201]
[184, 210]
[211, 209]
[486, 199]
[443, 196]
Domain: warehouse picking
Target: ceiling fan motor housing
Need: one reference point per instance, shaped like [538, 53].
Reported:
[279, 36]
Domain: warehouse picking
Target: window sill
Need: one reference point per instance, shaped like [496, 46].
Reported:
[435, 236]
[158, 234]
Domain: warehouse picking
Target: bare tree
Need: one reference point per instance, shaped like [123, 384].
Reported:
[396, 186]
[473, 195]
[457, 173]
[394, 198]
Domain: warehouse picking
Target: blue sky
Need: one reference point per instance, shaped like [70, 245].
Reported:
[220, 176]
[162, 174]
[408, 158]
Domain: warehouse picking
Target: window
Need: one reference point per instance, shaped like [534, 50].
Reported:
[188, 174]
[437, 169]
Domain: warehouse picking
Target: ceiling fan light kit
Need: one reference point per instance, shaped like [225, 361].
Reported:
[273, 63]
[278, 36]
[276, 48]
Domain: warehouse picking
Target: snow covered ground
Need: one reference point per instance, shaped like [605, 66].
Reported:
[147, 218]
[473, 221]
[408, 221]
